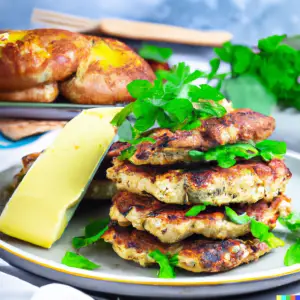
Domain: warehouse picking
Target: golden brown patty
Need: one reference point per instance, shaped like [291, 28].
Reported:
[170, 224]
[41, 93]
[104, 76]
[171, 147]
[32, 57]
[245, 182]
[195, 255]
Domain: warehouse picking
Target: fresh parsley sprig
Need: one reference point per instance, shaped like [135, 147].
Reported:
[155, 53]
[196, 209]
[235, 218]
[166, 263]
[75, 260]
[264, 77]
[171, 101]
[226, 155]
[292, 222]
[258, 229]
[93, 233]
[292, 255]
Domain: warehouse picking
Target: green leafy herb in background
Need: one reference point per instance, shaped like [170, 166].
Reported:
[155, 53]
[226, 155]
[75, 260]
[258, 79]
[166, 263]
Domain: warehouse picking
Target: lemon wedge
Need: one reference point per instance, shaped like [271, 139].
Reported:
[45, 200]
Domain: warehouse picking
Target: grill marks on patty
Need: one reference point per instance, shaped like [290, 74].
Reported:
[246, 182]
[169, 223]
[240, 125]
[195, 255]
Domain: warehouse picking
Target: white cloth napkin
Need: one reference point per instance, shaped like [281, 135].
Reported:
[13, 288]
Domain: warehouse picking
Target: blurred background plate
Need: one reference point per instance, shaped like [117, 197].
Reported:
[43, 111]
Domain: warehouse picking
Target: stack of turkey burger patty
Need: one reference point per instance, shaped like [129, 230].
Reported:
[167, 202]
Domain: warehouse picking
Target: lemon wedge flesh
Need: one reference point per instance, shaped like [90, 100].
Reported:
[45, 200]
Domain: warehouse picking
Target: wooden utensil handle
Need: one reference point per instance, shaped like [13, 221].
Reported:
[160, 32]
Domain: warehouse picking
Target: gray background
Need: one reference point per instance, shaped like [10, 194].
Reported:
[248, 20]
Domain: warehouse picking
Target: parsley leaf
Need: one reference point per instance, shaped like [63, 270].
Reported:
[166, 269]
[225, 52]
[292, 221]
[214, 64]
[207, 109]
[173, 259]
[271, 149]
[179, 108]
[234, 217]
[270, 43]
[125, 131]
[121, 116]
[226, 155]
[258, 229]
[174, 104]
[137, 88]
[155, 53]
[261, 231]
[74, 260]
[97, 228]
[247, 91]
[206, 92]
[195, 210]
[260, 79]
[127, 153]
[292, 255]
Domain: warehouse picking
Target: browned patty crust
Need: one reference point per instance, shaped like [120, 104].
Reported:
[195, 255]
[170, 224]
[245, 182]
[239, 125]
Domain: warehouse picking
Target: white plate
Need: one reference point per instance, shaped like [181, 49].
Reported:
[125, 278]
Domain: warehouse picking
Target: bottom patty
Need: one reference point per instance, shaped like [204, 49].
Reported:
[195, 255]
[170, 224]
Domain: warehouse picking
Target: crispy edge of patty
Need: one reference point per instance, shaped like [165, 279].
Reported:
[195, 255]
[170, 224]
[240, 125]
[245, 182]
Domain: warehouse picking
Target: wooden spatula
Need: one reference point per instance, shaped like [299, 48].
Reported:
[131, 29]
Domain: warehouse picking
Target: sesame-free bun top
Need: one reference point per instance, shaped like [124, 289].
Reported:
[104, 76]
[32, 57]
